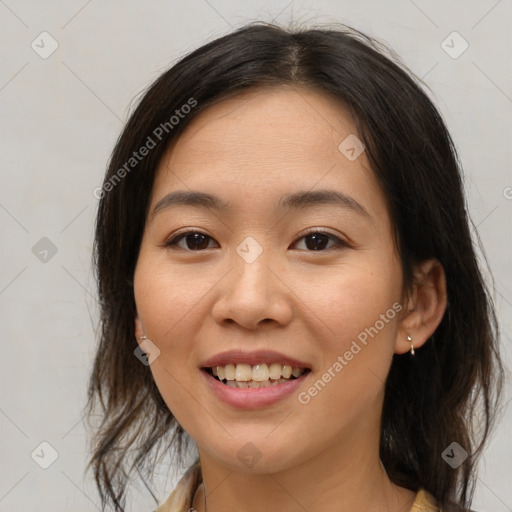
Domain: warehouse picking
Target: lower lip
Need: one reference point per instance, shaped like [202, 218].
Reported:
[253, 398]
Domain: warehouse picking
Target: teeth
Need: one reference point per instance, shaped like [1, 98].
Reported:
[258, 375]
[254, 384]
[297, 372]
[286, 371]
[243, 372]
[260, 372]
[230, 371]
[274, 371]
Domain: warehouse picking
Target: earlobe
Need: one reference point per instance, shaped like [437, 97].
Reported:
[426, 307]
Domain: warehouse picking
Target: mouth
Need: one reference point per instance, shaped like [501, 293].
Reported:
[252, 380]
[261, 375]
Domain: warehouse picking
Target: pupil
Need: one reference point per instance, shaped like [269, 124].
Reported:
[199, 241]
[318, 240]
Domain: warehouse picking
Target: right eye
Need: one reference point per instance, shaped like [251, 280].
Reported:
[193, 241]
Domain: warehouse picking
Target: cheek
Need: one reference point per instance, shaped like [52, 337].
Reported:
[357, 318]
[169, 303]
[356, 311]
[167, 296]
[348, 299]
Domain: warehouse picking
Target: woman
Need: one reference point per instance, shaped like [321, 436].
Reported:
[287, 278]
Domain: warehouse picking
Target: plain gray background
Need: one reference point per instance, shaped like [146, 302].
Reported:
[60, 117]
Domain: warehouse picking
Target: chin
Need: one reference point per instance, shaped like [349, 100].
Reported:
[257, 455]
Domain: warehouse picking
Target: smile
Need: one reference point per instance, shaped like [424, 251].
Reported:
[255, 376]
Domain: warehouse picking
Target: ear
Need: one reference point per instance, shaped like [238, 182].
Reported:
[426, 306]
[139, 331]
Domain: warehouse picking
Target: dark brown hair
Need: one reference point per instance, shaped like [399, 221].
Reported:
[447, 393]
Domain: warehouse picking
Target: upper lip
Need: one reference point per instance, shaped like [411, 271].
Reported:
[252, 358]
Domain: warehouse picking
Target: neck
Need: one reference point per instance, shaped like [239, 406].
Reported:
[347, 477]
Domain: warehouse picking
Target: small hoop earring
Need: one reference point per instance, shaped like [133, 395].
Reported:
[409, 339]
[142, 338]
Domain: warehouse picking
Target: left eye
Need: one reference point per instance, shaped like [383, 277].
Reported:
[318, 240]
[197, 241]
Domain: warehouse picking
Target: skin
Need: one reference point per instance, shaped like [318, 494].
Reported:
[310, 305]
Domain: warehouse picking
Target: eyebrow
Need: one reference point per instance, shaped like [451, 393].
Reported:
[291, 201]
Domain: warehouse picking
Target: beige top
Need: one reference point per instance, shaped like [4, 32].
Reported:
[181, 498]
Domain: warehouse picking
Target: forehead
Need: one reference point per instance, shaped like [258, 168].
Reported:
[269, 123]
[270, 141]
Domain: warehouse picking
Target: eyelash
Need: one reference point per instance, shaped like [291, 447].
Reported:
[173, 242]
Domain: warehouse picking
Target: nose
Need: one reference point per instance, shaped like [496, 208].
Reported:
[253, 294]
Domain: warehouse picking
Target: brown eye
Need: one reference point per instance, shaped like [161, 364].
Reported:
[319, 240]
[193, 241]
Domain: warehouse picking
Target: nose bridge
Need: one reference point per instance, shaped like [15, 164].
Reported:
[250, 250]
[252, 275]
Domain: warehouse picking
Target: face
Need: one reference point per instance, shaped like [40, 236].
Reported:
[284, 257]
